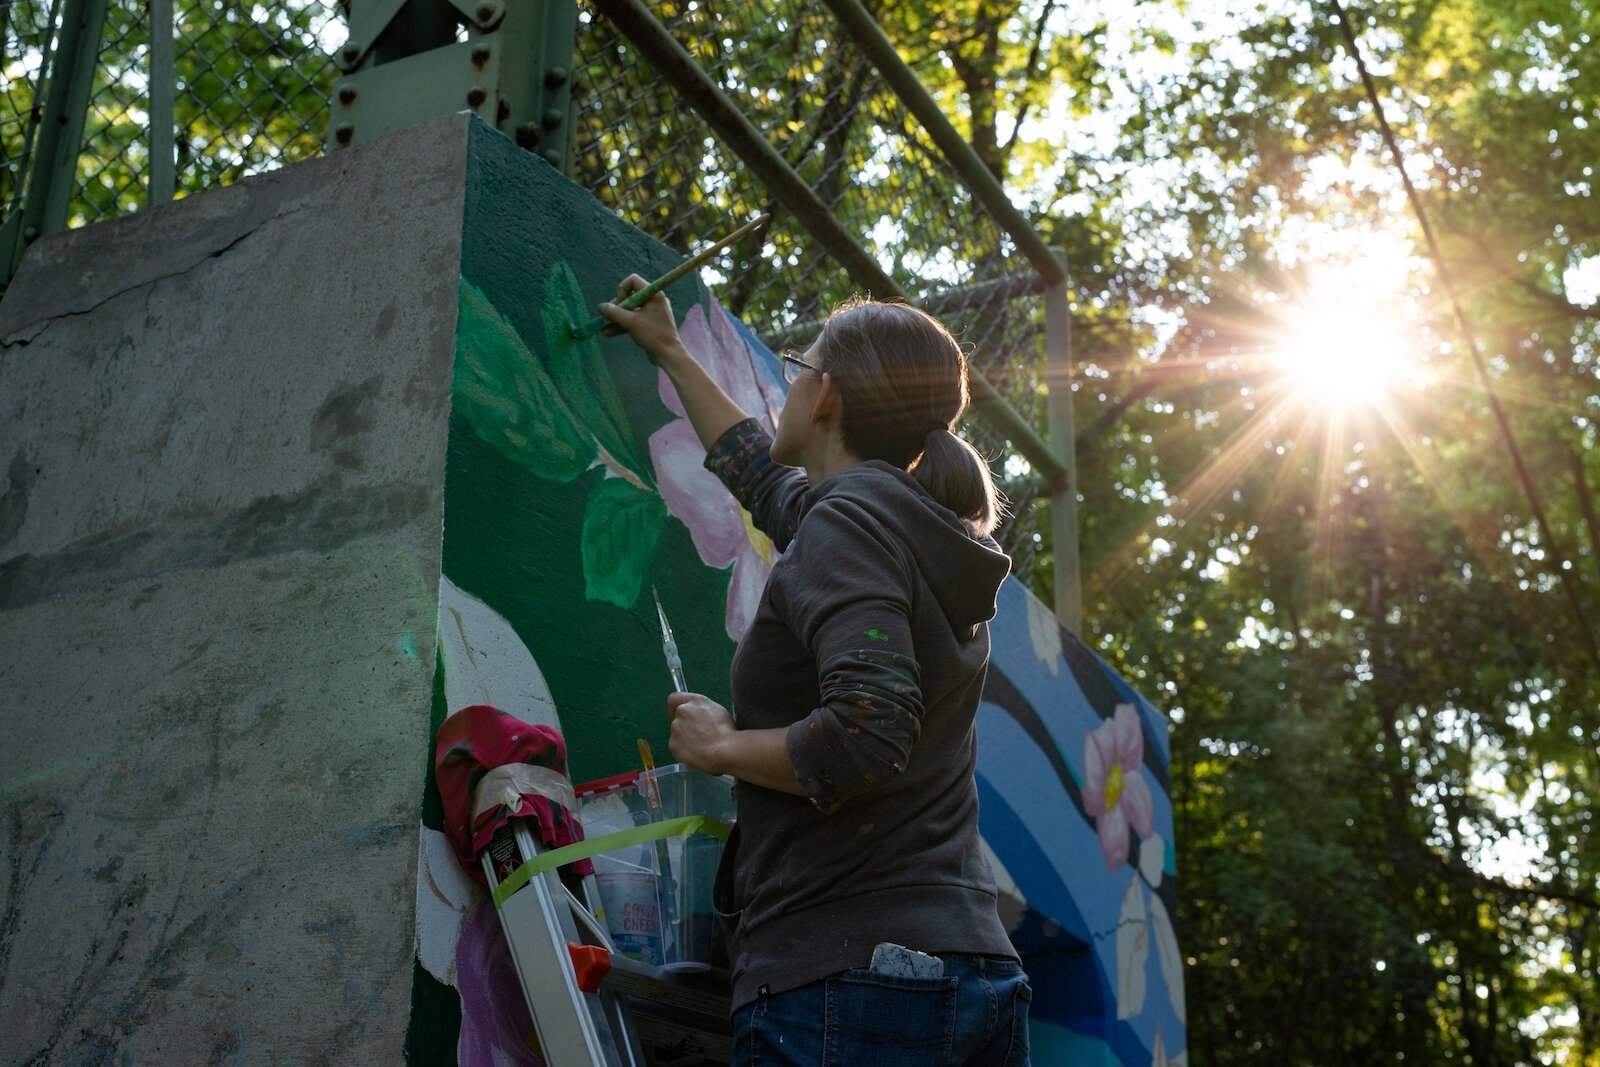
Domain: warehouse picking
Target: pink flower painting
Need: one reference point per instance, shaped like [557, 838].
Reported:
[495, 1023]
[721, 530]
[1114, 789]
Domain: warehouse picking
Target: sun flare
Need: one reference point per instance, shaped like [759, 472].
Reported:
[1347, 342]
[1348, 357]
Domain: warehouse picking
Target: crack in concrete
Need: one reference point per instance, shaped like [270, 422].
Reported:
[16, 340]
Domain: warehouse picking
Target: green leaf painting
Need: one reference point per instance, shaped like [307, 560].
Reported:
[580, 372]
[509, 399]
[621, 527]
[554, 416]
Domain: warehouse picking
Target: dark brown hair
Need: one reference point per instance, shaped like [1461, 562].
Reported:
[903, 380]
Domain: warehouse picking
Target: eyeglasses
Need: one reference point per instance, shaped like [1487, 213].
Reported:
[793, 365]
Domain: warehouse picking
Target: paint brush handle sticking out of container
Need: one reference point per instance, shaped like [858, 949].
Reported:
[647, 780]
[638, 297]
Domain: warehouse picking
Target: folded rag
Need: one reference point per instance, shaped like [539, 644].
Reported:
[476, 740]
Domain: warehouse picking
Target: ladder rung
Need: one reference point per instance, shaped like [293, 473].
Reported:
[704, 993]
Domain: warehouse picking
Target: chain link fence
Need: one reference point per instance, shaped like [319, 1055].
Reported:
[253, 83]
[27, 40]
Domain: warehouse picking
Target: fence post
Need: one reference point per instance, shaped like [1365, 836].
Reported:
[1064, 494]
[163, 101]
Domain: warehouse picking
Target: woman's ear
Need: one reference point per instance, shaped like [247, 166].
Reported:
[829, 401]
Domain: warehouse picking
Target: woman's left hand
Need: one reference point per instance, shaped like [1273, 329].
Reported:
[700, 727]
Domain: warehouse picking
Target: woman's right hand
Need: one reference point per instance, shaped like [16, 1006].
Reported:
[651, 325]
[711, 411]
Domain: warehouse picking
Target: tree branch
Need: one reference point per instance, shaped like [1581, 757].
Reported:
[1526, 890]
[1580, 475]
[1029, 73]
[1557, 301]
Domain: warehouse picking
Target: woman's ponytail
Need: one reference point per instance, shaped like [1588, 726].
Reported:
[904, 383]
[956, 476]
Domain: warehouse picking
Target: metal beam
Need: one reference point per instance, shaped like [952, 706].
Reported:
[163, 99]
[61, 133]
[982, 182]
[1063, 437]
[403, 65]
[53, 163]
[673, 62]
[695, 88]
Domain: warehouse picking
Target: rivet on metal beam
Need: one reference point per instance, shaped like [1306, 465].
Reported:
[30, 233]
[553, 117]
[488, 12]
[343, 132]
[349, 54]
[347, 95]
[476, 96]
[480, 54]
[502, 110]
[555, 77]
[528, 135]
[552, 156]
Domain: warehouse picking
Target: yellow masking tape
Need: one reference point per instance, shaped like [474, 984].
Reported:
[594, 846]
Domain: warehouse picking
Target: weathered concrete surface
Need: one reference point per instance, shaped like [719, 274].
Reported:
[222, 438]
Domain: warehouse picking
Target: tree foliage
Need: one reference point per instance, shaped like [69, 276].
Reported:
[1385, 718]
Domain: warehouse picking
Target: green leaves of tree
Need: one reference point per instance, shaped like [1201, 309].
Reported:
[1382, 674]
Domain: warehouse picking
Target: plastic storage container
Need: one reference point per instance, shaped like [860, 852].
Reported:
[657, 894]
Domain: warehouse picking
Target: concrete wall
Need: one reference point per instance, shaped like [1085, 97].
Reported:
[222, 433]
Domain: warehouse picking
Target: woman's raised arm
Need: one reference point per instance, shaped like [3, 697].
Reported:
[711, 411]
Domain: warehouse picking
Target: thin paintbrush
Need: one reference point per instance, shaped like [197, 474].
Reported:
[633, 300]
[670, 646]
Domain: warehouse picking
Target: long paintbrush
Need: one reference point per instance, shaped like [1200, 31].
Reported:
[633, 300]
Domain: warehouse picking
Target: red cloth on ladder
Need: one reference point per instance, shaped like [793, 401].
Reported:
[471, 743]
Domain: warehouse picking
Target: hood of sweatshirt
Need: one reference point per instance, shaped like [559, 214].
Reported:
[963, 571]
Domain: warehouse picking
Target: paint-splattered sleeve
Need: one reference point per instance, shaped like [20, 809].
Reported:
[774, 495]
[847, 595]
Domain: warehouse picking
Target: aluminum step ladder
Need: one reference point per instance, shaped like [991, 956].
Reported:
[592, 1007]
[576, 1027]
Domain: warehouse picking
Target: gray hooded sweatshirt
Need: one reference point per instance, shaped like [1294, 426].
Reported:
[869, 647]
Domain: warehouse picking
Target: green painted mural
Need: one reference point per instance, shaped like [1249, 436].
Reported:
[573, 483]
[555, 513]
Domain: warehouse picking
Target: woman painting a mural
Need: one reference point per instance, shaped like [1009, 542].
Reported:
[861, 913]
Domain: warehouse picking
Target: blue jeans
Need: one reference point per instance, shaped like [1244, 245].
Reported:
[976, 1015]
